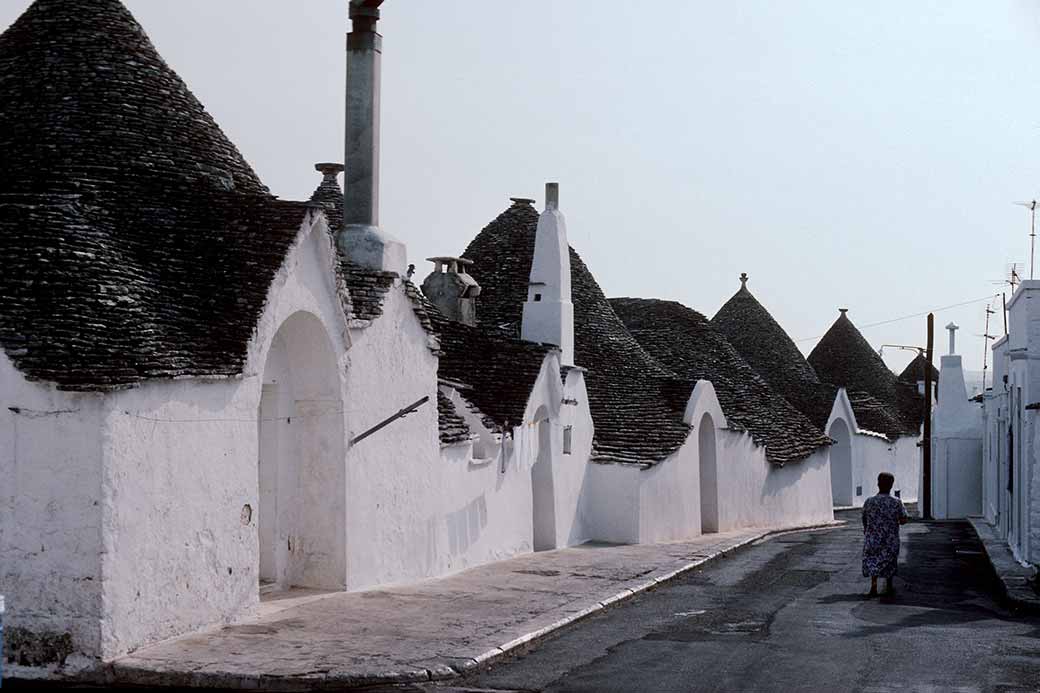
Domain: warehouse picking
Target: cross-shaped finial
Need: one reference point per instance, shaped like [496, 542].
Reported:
[953, 327]
[743, 280]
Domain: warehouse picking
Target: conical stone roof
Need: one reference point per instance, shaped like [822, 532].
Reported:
[843, 357]
[767, 348]
[751, 329]
[87, 97]
[135, 241]
[637, 404]
[915, 370]
[684, 340]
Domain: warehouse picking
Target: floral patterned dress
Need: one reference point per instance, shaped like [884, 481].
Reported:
[881, 515]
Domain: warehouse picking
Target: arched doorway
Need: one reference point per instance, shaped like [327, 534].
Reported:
[841, 464]
[709, 475]
[543, 493]
[301, 514]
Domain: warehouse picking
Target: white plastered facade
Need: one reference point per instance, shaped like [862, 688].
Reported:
[155, 511]
[664, 502]
[1010, 487]
[859, 455]
[956, 477]
[141, 514]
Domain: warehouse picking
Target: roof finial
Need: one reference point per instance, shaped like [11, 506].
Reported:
[743, 280]
[953, 327]
[843, 311]
[331, 171]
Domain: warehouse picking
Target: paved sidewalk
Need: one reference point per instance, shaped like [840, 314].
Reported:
[1018, 581]
[432, 630]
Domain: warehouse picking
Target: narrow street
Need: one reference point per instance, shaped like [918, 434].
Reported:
[790, 614]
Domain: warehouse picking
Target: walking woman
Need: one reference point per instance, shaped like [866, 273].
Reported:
[882, 515]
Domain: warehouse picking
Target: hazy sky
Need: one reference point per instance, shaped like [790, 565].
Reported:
[843, 154]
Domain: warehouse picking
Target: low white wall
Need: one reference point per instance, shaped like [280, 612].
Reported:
[417, 510]
[872, 455]
[756, 493]
[956, 478]
[50, 511]
[629, 504]
[669, 497]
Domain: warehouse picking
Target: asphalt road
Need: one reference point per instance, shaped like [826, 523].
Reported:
[790, 614]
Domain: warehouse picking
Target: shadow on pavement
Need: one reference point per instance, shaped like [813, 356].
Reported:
[944, 580]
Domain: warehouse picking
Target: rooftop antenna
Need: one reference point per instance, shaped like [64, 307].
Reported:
[1012, 277]
[1031, 205]
[986, 336]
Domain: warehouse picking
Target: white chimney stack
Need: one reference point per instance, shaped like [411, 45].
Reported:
[361, 239]
[548, 312]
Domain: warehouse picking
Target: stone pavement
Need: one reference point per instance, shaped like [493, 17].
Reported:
[1018, 582]
[432, 630]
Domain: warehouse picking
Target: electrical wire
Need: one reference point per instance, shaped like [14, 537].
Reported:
[914, 315]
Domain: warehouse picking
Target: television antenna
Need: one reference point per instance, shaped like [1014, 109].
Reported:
[986, 337]
[1031, 205]
[1012, 277]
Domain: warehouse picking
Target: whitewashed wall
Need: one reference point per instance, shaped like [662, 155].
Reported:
[50, 511]
[480, 506]
[901, 458]
[756, 493]
[569, 474]
[1023, 365]
[393, 477]
[872, 454]
[181, 546]
[957, 433]
[628, 504]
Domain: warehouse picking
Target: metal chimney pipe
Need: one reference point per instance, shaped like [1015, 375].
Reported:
[361, 240]
[364, 61]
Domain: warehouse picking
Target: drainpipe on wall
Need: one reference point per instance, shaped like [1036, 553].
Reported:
[361, 239]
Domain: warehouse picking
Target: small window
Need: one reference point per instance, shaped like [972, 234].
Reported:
[568, 439]
[537, 297]
[859, 490]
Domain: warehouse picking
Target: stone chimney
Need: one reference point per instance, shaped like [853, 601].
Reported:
[452, 289]
[548, 312]
[329, 195]
[361, 239]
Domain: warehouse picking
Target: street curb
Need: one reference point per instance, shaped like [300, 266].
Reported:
[1014, 578]
[495, 653]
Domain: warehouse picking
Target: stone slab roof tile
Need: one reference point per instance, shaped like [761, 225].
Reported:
[135, 241]
[766, 347]
[915, 370]
[637, 404]
[845, 358]
[499, 370]
[453, 428]
[685, 341]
